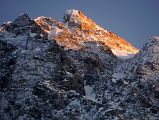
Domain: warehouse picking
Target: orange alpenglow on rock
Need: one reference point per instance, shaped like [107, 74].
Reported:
[78, 29]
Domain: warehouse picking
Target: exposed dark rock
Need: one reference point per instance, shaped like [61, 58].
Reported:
[23, 21]
[7, 61]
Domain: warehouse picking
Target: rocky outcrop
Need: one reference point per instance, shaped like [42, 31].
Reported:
[24, 25]
[23, 21]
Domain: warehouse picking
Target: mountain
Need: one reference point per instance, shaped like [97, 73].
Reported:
[78, 29]
[75, 70]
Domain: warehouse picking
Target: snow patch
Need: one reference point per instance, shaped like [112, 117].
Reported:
[33, 34]
[49, 85]
[66, 24]
[53, 33]
[69, 74]
[9, 22]
[123, 54]
[39, 18]
[100, 28]
[117, 76]
[75, 102]
[156, 37]
[37, 49]
[89, 93]
[72, 12]
[41, 35]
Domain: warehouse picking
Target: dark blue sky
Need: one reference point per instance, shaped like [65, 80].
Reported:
[134, 20]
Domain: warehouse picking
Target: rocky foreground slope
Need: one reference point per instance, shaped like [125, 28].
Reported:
[55, 71]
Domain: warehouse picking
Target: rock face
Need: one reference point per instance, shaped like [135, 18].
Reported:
[24, 25]
[48, 71]
[23, 20]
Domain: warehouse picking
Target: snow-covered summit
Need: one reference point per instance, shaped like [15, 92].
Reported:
[77, 22]
[72, 12]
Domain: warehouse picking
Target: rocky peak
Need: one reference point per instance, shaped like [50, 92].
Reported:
[72, 12]
[23, 20]
[24, 25]
[77, 22]
[150, 51]
[152, 45]
[143, 69]
[71, 18]
[77, 19]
